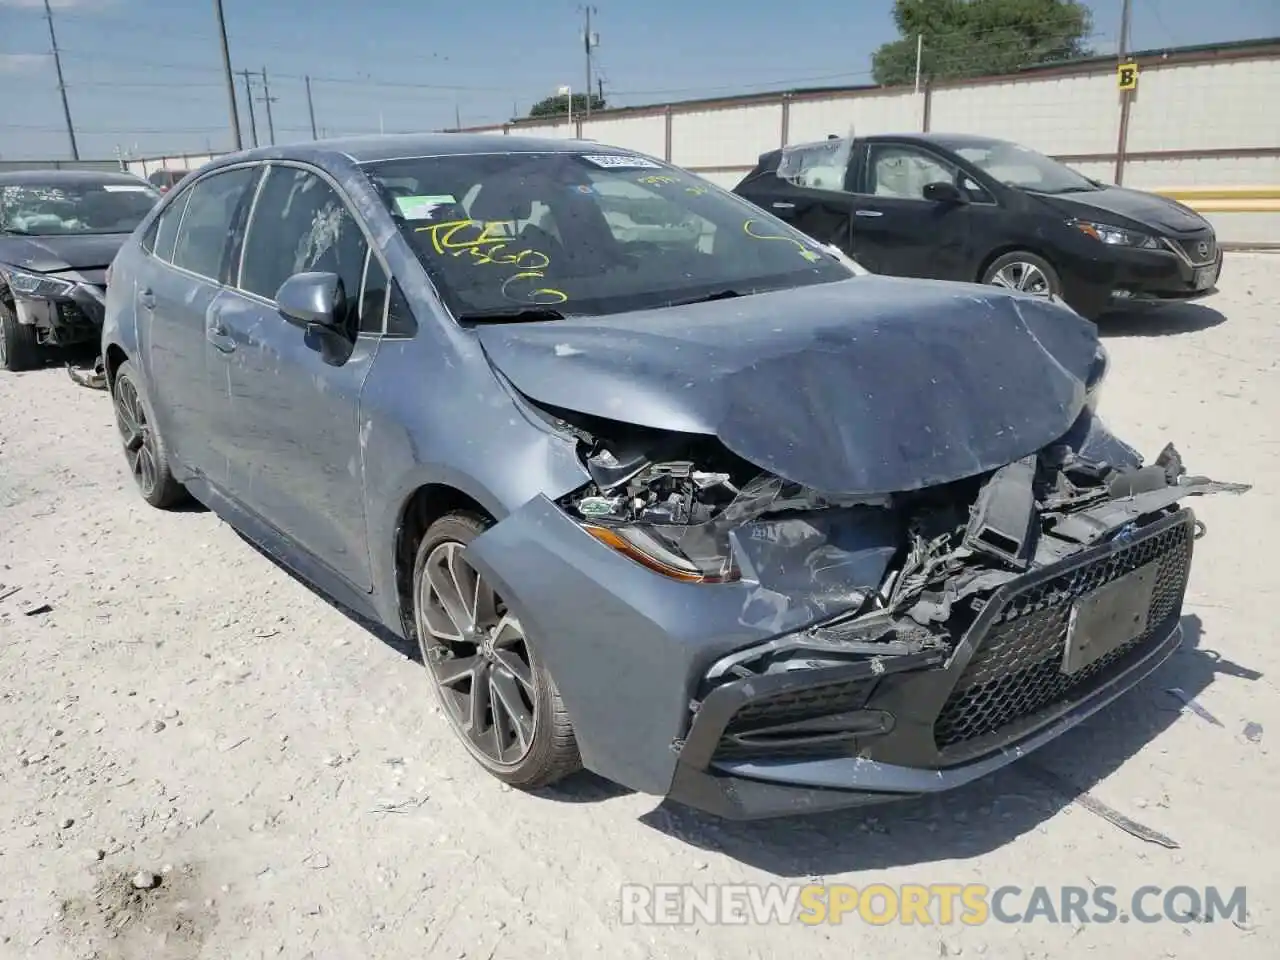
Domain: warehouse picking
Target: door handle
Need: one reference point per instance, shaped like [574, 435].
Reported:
[147, 298]
[783, 205]
[217, 334]
[868, 213]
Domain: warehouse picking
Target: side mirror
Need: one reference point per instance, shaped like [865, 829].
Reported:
[311, 300]
[943, 192]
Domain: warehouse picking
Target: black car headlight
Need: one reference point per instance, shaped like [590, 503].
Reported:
[1116, 236]
[36, 286]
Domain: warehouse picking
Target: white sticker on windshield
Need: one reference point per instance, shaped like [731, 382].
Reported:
[424, 207]
[614, 161]
[126, 188]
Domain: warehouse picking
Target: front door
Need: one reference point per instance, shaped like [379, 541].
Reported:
[299, 461]
[896, 231]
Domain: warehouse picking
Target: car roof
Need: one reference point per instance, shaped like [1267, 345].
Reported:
[372, 149]
[940, 139]
[56, 178]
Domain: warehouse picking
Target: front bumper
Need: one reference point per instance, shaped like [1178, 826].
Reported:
[1183, 269]
[76, 318]
[631, 651]
[910, 729]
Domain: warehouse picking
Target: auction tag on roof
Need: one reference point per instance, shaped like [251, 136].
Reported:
[620, 161]
[424, 207]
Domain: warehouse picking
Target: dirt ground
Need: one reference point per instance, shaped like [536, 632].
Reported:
[279, 783]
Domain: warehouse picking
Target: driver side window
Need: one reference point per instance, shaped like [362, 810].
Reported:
[903, 172]
[300, 224]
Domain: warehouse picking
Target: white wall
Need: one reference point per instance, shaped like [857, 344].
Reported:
[863, 113]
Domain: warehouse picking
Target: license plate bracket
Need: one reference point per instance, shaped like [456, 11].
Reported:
[1109, 617]
[1205, 277]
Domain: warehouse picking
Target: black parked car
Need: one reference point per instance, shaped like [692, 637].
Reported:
[960, 207]
[59, 230]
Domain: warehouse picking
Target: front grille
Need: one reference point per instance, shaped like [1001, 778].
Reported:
[1199, 250]
[71, 314]
[1016, 670]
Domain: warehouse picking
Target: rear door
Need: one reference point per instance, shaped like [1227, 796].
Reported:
[178, 291]
[298, 459]
[897, 231]
[809, 189]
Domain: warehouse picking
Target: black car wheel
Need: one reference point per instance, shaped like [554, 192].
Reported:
[1024, 272]
[498, 697]
[144, 450]
[19, 349]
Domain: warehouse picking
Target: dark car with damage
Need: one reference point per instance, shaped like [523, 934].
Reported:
[59, 230]
[972, 208]
[658, 485]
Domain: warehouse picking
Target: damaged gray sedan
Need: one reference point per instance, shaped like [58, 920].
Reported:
[659, 486]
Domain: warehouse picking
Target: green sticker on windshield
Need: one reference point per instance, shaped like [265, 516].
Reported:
[424, 207]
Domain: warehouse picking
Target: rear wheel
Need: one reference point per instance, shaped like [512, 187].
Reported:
[1024, 272]
[147, 456]
[19, 349]
[499, 698]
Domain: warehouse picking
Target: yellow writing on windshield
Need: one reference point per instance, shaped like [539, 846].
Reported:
[451, 237]
[658, 180]
[811, 255]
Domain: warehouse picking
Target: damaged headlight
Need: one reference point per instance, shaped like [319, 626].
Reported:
[661, 517]
[1116, 236]
[37, 286]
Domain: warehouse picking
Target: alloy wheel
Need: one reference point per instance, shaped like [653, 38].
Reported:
[478, 656]
[1023, 277]
[139, 439]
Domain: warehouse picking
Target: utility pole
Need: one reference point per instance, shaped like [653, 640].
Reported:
[231, 82]
[589, 40]
[1126, 96]
[248, 96]
[1126, 17]
[457, 116]
[311, 109]
[62, 87]
[268, 99]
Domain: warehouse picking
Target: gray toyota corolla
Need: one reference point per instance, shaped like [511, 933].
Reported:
[660, 486]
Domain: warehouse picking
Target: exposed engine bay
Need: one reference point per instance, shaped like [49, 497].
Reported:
[901, 574]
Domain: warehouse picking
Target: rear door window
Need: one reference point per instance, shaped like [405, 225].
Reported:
[165, 231]
[212, 210]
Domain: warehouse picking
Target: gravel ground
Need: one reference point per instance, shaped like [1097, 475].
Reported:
[186, 718]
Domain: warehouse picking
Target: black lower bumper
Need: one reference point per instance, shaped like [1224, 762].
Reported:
[923, 723]
[1129, 275]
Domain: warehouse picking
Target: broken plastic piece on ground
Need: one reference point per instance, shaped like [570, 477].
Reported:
[37, 609]
[1095, 806]
[1190, 703]
[7, 592]
[97, 380]
[1253, 732]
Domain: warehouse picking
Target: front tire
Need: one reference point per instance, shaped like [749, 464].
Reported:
[1024, 272]
[144, 449]
[19, 349]
[498, 696]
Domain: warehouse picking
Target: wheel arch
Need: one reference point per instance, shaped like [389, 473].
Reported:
[422, 507]
[112, 359]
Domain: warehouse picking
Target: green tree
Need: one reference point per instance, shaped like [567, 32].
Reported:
[973, 38]
[559, 105]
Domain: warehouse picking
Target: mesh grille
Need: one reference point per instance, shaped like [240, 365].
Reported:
[791, 707]
[1016, 670]
[1196, 255]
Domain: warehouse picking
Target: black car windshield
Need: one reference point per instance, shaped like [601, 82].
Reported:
[1019, 166]
[587, 234]
[57, 209]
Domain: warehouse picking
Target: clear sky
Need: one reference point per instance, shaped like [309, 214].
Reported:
[145, 75]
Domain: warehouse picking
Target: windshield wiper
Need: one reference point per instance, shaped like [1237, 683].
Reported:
[519, 315]
[16, 231]
[718, 295]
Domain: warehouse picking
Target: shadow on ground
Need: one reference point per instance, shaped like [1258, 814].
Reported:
[1159, 320]
[981, 817]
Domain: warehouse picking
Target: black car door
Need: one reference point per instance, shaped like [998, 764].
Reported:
[299, 458]
[897, 231]
[809, 189]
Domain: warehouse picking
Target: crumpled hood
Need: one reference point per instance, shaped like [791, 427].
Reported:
[866, 386]
[67, 252]
[1148, 209]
